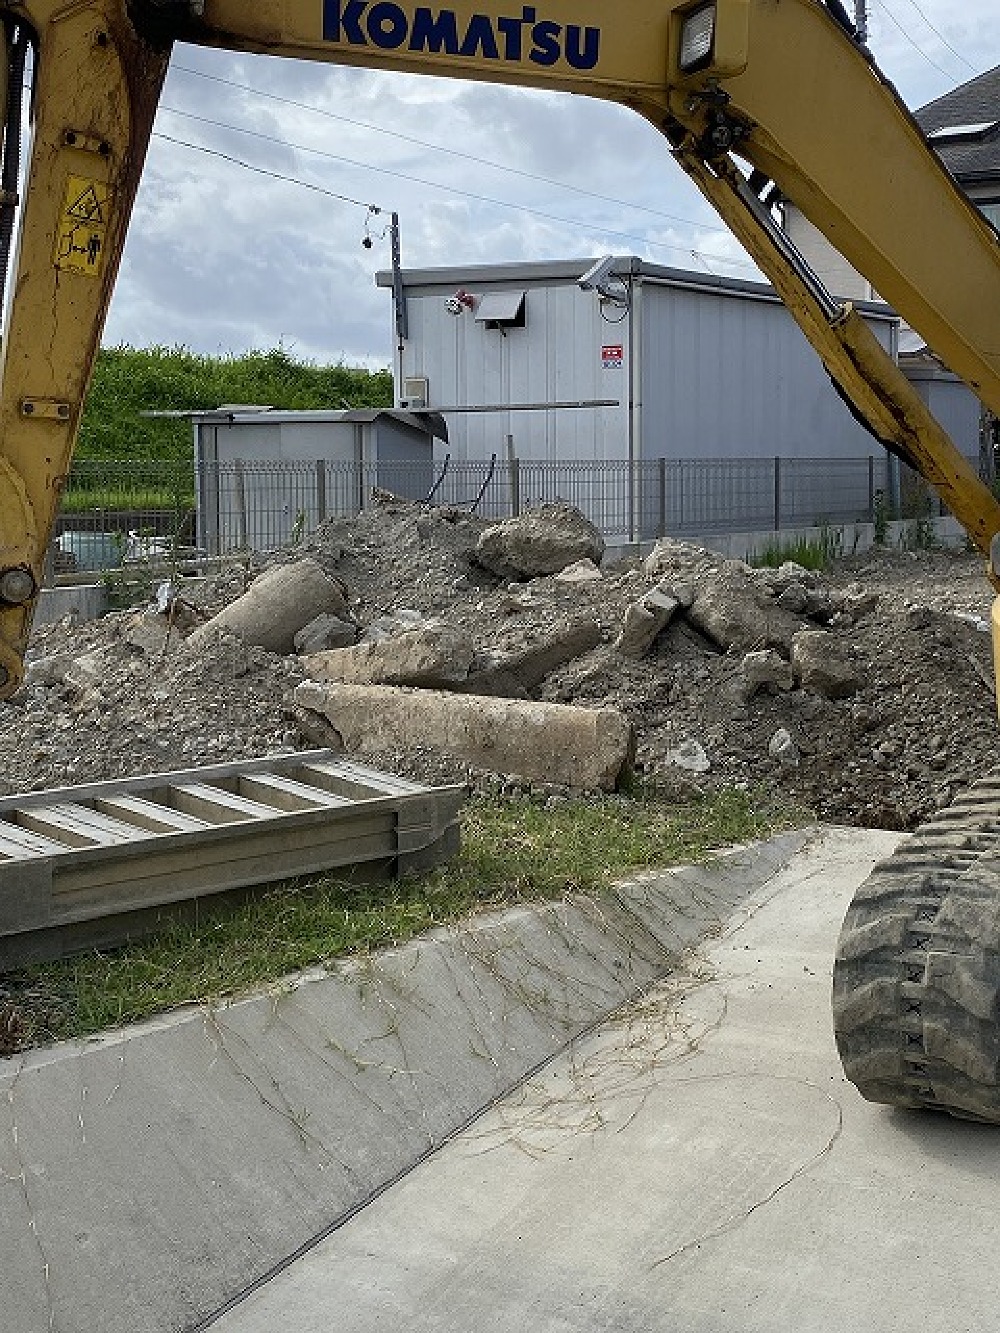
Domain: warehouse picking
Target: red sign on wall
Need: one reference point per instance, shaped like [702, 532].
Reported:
[612, 355]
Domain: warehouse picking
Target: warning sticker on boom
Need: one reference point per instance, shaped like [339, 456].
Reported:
[83, 225]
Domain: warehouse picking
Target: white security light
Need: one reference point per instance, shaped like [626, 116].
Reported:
[601, 278]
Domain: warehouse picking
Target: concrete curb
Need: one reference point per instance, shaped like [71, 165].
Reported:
[148, 1177]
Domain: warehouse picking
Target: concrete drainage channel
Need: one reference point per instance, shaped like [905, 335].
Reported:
[152, 1177]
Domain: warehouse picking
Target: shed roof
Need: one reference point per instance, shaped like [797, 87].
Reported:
[427, 423]
[567, 271]
[975, 155]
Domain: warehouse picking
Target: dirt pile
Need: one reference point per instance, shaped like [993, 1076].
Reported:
[865, 693]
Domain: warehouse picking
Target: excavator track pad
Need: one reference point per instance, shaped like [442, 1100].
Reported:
[916, 982]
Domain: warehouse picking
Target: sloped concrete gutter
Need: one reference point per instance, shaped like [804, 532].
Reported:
[151, 1176]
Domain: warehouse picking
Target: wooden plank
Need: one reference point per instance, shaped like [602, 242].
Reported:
[149, 815]
[288, 794]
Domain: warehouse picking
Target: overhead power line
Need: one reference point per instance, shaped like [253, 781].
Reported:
[942, 38]
[264, 171]
[440, 148]
[884, 9]
[498, 203]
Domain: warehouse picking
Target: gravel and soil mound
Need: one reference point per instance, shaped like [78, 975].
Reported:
[865, 693]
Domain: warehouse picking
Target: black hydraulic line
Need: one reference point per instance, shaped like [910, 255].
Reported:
[482, 490]
[12, 142]
[840, 15]
[437, 485]
[890, 446]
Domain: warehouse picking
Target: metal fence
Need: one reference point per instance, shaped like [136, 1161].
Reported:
[116, 513]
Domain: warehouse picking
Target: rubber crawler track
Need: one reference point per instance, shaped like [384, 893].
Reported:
[917, 975]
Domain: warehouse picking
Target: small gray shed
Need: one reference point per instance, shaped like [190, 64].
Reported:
[652, 363]
[264, 475]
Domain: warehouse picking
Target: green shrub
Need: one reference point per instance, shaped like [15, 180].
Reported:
[130, 381]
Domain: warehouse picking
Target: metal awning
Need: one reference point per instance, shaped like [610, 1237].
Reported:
[501, 308]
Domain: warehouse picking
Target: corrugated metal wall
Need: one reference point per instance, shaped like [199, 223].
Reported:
[723, 373]
[732, 376]
[555, 358]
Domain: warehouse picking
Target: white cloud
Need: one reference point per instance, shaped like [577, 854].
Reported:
[221, 258]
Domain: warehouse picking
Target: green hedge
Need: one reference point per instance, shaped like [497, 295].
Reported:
[129, 381]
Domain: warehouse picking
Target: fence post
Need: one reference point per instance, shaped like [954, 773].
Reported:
[515, 487]
[241, 506]
[320, 490]
[662, 469]
[871, 488]
[777, 494]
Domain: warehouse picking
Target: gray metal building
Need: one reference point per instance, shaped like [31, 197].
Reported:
[262, 474]
[666, 364]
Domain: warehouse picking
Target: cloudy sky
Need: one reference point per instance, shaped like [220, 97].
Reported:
[222, 258]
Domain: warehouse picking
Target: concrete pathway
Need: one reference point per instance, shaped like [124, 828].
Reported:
[697, 1164]
[150, 1174]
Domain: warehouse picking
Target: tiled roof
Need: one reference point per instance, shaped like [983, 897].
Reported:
[973, 104]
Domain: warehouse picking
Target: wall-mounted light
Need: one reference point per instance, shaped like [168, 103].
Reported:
[602, 279]
[460, 302]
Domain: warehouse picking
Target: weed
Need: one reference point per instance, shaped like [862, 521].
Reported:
[880, 518]
[809, 552]
[130, 382]
[298, 528]
[919, 533]
[511, 852]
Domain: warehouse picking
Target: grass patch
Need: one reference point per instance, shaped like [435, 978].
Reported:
[104, 502]
[810, 552]
[512, 852]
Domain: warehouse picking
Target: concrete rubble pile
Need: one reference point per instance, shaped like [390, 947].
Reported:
[515, 656]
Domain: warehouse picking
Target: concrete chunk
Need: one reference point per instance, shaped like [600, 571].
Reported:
[157, 632]
[582, 571]
[277, 605]
[323, 633]
[585, 748]
[764, 672]
[728, 610]
[435, 655]
[821, 666]
[526, 670]
[645, 620]
[543, 541]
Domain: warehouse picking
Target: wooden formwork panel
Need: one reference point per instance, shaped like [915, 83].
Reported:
[100, 864]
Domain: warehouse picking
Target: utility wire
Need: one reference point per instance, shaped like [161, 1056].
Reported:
[440, 148]
[417, 180]
[942, 38]
[916, 46]
[263, 171]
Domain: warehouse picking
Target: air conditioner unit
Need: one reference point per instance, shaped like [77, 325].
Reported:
[415, 392]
